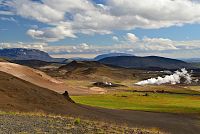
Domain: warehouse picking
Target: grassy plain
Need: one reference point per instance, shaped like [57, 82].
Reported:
[155, 102]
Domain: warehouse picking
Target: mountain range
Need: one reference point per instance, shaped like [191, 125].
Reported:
[26, 56]
[192, 60]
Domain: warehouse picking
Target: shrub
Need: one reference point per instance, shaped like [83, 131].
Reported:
[77, 121]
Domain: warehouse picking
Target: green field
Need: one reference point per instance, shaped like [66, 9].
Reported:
[156, 102]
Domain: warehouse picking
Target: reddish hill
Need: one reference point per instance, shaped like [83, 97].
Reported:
[33, 76]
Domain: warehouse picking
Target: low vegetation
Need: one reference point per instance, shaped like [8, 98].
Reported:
[156, 102]
[13, 122]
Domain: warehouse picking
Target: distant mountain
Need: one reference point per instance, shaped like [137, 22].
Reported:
[32, 63]
[81, 64]
[191, 60]
[99, 57]
[27, 54]
[80, 59]
[148, 62]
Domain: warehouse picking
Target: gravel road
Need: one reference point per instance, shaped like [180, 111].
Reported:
[12, 124]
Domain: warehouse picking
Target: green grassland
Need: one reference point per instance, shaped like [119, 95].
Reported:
[155, 102]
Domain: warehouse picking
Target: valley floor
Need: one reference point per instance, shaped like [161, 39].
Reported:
[144, 101]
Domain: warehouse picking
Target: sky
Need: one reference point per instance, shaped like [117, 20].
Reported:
[86, 28]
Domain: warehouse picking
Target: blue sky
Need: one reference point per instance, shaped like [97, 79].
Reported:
[87, 28]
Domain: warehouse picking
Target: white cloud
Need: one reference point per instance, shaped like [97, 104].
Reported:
[89, 18]
[51, 34]
[173, 11]
[36, 45]
[67, 18]
[69, 5]
[6, 13]
[145, 46]
[158, 44]
[131, 37]
[84, 46]
[115, 38]
[11, 19]
[37, 11]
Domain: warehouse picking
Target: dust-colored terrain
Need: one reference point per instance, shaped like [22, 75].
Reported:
[32, 75]
[78, 78]
[92, 70]
[41, 79]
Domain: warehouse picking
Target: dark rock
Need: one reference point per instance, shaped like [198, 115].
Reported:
[66, 95]
[146, 94]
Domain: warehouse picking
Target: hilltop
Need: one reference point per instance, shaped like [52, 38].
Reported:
[102, 56]
[149, 62]
[33, 76]
[96, 71]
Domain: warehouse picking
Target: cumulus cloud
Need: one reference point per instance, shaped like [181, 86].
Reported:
[51, 34]
[84, 46]
[115, 38]
[139, 48]
[86, 17]
[142, 47]
[131, 37]
[36, 45]
[165, 11]
[67, 18]
[158, 44]
[37, 11]
[148, 44]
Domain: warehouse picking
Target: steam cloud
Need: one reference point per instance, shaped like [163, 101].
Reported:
[175, 78]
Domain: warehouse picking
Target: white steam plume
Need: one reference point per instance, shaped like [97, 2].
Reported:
[175, 78]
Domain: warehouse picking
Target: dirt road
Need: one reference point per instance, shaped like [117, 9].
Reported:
[172, 123]
[31, 124]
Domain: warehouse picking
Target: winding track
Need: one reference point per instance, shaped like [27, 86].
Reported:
[172, 123]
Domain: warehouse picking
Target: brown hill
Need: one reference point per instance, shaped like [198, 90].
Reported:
[20, 95]
[32, 63]
[95, 70]
[33, 76]
[41, 79]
